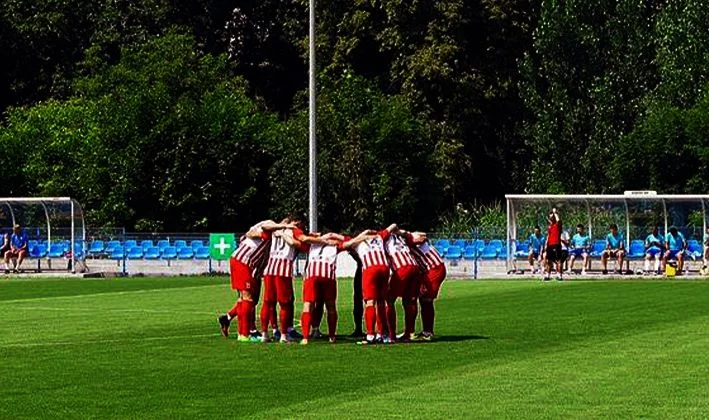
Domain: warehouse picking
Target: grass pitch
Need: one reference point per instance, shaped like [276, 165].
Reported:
[144, 348]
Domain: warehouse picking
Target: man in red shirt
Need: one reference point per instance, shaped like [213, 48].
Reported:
[404, 283]
[242, 278]
[375, 278]
[553, 245]
[434, 273]
[320, 284]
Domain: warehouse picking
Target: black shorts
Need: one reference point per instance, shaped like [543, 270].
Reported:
[554, 253]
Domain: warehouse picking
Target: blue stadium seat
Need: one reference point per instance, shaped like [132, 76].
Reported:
[503, 253]
[479, 245]
[469, 253]
[522, 250]
[489, 252]
[202, 253]
[38, 251]
[118, 253]
[180, 244]
[196, 244]
[637, 249]
[31, 243]
[442, 244]
[97, 247]
[111, 245]
[454, 253]
[162, 244]
[152, 253]
[129, 243]
[146, 244]
[135, 253]
[498, 244]
[459, 243]
[169, 253]
[56, 251]
[599, 245]
[695, 250]
[185, 253]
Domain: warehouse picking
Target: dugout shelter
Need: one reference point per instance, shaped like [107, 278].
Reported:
[635, 213]
[55, 227]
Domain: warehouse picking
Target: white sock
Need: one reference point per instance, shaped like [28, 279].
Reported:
[647, 265]
[7, 266]
[370, 337]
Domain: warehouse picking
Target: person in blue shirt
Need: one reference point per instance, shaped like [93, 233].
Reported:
[675, 244]
[706, 249]
[615, 248]
[653, 249]
[18, 249]
[536, 242]
[580, 245]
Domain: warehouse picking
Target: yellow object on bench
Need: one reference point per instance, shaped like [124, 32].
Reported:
[670, 270]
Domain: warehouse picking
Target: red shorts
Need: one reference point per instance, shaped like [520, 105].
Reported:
[277, 289]
[375, 281]
[319, 289]
[16, 253]
[432, 282]
[405, 282]
[240, 274]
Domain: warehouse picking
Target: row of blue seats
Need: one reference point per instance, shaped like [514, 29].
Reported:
[99, 247]
[156, 253]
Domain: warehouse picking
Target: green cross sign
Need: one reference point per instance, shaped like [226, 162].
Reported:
[221, 245]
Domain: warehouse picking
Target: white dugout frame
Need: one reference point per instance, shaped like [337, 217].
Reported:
[76, 214]
[515, 201]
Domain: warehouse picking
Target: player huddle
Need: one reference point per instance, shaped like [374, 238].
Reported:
[392, 264]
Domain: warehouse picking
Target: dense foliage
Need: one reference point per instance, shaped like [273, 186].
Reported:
[192, 115]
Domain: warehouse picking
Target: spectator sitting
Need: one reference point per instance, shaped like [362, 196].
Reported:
[564, 249]
[705, 258]
[5, 244]
[615, 248]
[675, 245]
[18, 249]
[653, 249]
[580, 244]
[536, 241]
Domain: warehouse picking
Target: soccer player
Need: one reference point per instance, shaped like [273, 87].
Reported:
[553, 245]
[404, 283]
[434, 273]
[278, 279]
[615, 248]
[18, 249]
[536, 241]
[320, 284]
[675, 244]
[653, 249]
[375, 278]
[580, 244]
[242, 278]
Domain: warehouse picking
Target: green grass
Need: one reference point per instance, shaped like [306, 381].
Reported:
[151, 348]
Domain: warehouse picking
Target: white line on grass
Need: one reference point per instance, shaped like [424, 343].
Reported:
[117, 340]
[119, 310]
[125, 292]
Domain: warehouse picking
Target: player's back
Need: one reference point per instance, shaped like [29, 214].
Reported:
[371, 252]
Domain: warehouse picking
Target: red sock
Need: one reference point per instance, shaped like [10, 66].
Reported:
[381, 318]
[265, 315]
[427, 316]
[286, 316]
[370, 319]
[332, 324]
[410, 313]
[391, 320]
[273, 316]
[305, 323]
[234, 311]
[244, 313]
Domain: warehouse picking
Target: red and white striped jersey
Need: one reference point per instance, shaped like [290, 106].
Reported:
[431, 257]
[371, 251]
[399, 253]
[247, 245]
[322, 261]
[280, 259]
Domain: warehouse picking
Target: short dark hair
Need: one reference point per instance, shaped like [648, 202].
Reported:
[613, 226]
[537, 227]
[580, 225]
[673, 230]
